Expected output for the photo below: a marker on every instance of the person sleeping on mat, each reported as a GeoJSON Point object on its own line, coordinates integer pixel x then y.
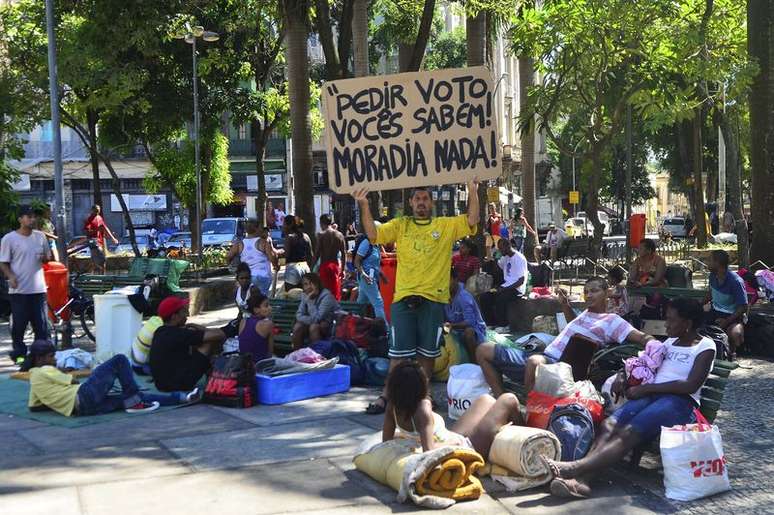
{"type": "Point", "coordinates": [52, 389]}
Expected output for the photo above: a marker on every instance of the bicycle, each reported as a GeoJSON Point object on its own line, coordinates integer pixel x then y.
{"type": "Point", "coordinates": [80, 306]}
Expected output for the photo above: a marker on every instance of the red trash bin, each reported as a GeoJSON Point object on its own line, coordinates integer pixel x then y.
{"type": "Point", "coordinates": [389, 268]}
{"type": "Point", "coordinates": [636, 230]}
{"type": "Point", "coordinates": [58, 284]}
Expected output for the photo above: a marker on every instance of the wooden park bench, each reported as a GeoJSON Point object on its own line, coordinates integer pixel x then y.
{"type": "Point", "coordinates": [283, 314]}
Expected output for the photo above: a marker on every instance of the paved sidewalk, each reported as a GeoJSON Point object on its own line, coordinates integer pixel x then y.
{"type": "Point", "coordinates": [296, 458]}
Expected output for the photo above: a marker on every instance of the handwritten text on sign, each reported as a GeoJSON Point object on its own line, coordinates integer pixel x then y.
{"type": "Point", "coordinates": [411, 129]}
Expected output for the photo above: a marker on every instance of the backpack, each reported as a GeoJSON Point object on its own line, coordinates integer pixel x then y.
{"type": "Point", "coordinates": [719, 336]}
{"type": "Point", "coordinates": [358, 240]}
{"type": "Point", "coordinates": [759, 334]}
{"type": "Point", "coordinates": [366, 333]}
{"type": "Point", "coordinates": [232, 381]}
{"type": "Point", "coordinates": [348, 354]}
{"type": "Point", "coordinates": [573, 426]}
{"type": "Point", "coordinates": [376, 371]}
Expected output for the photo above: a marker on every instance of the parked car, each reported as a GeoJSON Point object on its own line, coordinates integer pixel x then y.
{"type": "Point", "coordinates": [603, 217]}
{"type": "Point", "coordinates": [578, 227]}
{"type": "Point", "coordinates": [178, 240]}
{"type": "Point", "coordinates": [125, 244]}
{"type": "Point", "coordinates": [222, 231]}
{"type": "Point", "coordinates": [674, 226]}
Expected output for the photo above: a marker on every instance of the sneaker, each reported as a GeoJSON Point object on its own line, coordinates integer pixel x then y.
{"type": "Point", "coordinates": [143, 407]}
{"type": "Point", "coordinates": [194, 395]}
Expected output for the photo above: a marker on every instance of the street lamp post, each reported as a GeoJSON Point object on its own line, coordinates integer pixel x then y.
{"type": "Point", "coordinates": [190, 36]}
{"type": "Point", "coordinates": [574, 152]}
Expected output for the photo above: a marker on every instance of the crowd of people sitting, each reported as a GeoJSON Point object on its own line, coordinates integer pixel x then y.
{"type": "Point", "coordinates": [431, 296]}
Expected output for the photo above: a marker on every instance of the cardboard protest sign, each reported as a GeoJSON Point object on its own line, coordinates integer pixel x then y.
{"type": "Point", "coordinates": [411, 129]}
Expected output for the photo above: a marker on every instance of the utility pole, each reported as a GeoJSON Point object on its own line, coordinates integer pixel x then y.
{"type": "Point", "coordinates": [61, 216]}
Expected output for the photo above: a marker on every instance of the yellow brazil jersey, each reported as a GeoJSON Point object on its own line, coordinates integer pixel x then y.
{"type": "Point", "coordinates": [54, 389]}
{"type": "Point", "coordinates": [424, 249]}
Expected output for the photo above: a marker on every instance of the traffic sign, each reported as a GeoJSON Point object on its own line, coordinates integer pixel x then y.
{"type": "Point", "coordinates": [574, 197]}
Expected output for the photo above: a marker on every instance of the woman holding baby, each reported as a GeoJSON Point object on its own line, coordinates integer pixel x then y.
{"type": "Point", "coordinates": [665, 397]}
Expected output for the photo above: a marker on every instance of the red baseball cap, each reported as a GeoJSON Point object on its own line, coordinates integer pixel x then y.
{"type": "Point", "coordinates": [170, 306]}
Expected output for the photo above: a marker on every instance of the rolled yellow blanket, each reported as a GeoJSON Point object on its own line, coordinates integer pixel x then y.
{"type": "Point", "coordinates": [433, 479]}
{"type": "Point", "coordinates": [517, 450]}
{"type": "Point", "coordinates": [453, 476]}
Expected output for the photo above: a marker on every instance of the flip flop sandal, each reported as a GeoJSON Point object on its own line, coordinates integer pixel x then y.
{"type": "Point", "coordinates": [551, 467]}
{"type": "Point", "coordinates": [375, 408]}
{"type": "Point", "coordinates": [567, 488]}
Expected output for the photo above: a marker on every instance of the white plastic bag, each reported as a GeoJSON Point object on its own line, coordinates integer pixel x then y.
{"type": "Point", "coordinates": [555, 380]}
{"type": "Point", "coordinates": [694, 463]}
{"type": "Point", "coordinates": [466, 384]}
{"type": "Point", "coordinates": [611, 404]}
{"type": "Point", "coordinates": [231, 345]}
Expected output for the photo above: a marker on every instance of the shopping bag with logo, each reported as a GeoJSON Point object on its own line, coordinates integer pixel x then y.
{"type": "Point", "coordinates": [466, 384]}
{"type": "Point", "coordinates": [694, 463]}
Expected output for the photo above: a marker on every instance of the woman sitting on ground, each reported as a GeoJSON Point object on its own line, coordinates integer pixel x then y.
{"type": "Point", "coordinates": [314, 318]}
{"type": "Point", "coordinates": [594, 326]}
{"type": "Point", "coordinates": [256, 331]}
{"type": "Point", "coordinates": [669, 400]}
{"type": "Point", "coordinates": [466, 263]}
{"type": "Point", "coordinates": [411, 414]}
{"type": "Point", "coordinates": [52, 389]}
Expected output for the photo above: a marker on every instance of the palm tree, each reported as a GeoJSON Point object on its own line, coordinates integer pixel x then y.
{"type": "Point", "coordinates": [360, 36]}
{"type": "Point", "coordinates": [475, 38]}
{"type": "Point", "coordinates": [296, 14]}
{"type": "Point", "coordinates": [760, 40]}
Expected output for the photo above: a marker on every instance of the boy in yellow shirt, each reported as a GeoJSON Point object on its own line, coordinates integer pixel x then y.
{"type": "Point", "coordinates": [53, 389]}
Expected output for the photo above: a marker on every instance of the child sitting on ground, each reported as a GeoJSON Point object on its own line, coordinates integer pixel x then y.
{"type": "Point", "coordinates": [409, 406]}
{"type": "Point", "coordinates": [618, 300]}
{"type": "Point", "coordinates": [256, 332]}
{"type": "Point", "coordinates": [52, 389]}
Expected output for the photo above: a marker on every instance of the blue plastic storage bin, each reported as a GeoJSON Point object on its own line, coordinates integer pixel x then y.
{"type": "Point", "coordinates": [302, 385]}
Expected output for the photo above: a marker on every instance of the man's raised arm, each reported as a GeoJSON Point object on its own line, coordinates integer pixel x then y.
{"type": "Point", "coordinates": [361, 197]}
{"type": "Point", "coordinates": [473, 214]}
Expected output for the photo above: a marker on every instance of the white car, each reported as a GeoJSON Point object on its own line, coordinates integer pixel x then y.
{"type": "Point", "coordinates": [578, 227]}
{"type": "Point", "coordinates": [675, 226]}
{"type": "Point", "coordinates": [603, 217]}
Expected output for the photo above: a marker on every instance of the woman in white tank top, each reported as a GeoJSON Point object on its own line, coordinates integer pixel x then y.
{"type": "Point", "coordinates": [257, 252]}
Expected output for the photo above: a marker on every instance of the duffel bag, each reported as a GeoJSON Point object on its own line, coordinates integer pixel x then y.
{"type": "Point", "coordinates": [231, 382]}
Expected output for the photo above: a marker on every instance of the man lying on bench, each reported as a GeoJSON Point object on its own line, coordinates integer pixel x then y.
{"type": "Point", "coordinates": [595, 327]}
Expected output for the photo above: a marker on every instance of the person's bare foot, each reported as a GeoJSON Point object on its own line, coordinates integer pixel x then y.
{"type": "Point", "coordinates": [559, 469]}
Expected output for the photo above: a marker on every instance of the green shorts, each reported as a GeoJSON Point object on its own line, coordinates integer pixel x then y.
{"type": "Point", "coordinates": [416, 330]}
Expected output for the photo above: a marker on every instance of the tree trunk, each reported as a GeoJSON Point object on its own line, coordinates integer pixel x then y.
{"type": "Point", "coordinates": [475, 41]}
{"type": "Point", "coordinates": [592, 200]}
{"type": "Point", "coordinates": [423, 35]}
{"type": "Point", "coordinates": [124, 209]}
{"type": "Point", "coordinates": [333, 66]}
{"type": "Point", "coordinates": [527, 81]}
{"type": "Point", "coordinates": [297, 23]}
{"type": "Point", "coordinates": [91, 122]}
{"type": "Point", "coordinates": [734, 187]}
{"type": "Point", "coordinates": [760, 41]}
{"type": "Point", "coordinates": [360, 37]}
{"type": "Point", "coordinates": [698, 190]}
{"type": "Point", "coordinates": [260, 137]}
{"type": "Point", "coordinates": [360, 49]}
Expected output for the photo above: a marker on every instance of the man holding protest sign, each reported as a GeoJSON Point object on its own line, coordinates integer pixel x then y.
{"type": "Point", "coordinates": [424, 248]}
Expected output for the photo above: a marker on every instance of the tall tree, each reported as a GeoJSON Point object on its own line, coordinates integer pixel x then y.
{"type": "Point", "coordinates": [760, 30]}
{"type": "Point", "coordinates": [475, 38]}
{"type": "Point", "coordinates": [296, 13]}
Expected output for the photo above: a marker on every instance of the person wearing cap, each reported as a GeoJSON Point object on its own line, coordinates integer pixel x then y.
{"type": "Point", "coordinates": [22, 254]}
{"type": "Point", "coordinates": [180, 353]}
{"type": "Point", "coordinates": [554, 239]}
{"type": "Point", "coordinates": [53, 389]}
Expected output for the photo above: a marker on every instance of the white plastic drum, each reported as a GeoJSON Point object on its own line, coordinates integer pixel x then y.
{"type": "Point", "coordinates": [117, 324]}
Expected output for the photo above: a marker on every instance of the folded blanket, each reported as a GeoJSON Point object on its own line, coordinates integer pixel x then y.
{"type": "Point", "coordinates": [281, 366]}
{"type": "Point", "coordinates": [435, 479]}
{"type": "Point", "coordinates": [515, 456]}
